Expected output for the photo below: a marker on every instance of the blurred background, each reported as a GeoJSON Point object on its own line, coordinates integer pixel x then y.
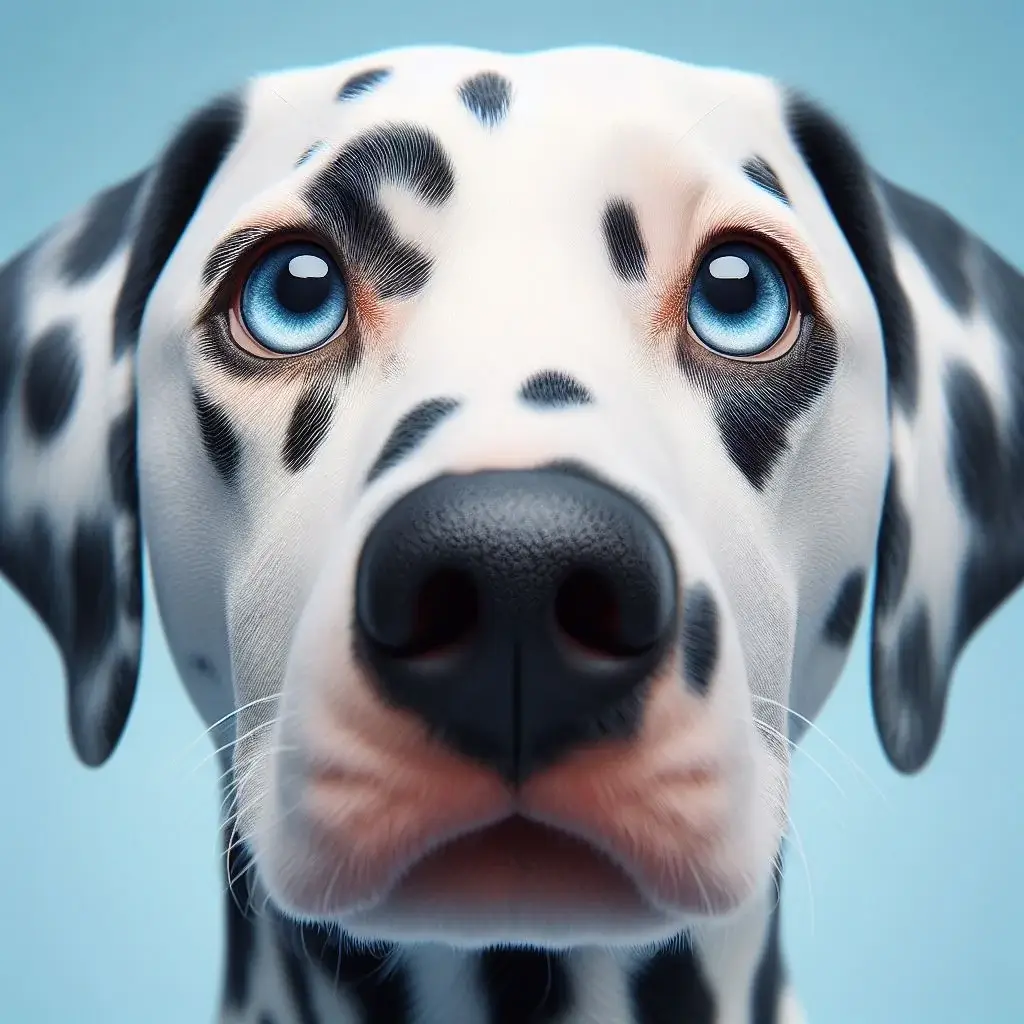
{"type": "Point", "coordinates": [903, 903]}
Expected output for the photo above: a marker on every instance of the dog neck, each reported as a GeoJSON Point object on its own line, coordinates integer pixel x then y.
{"type": "Point", "coordinates": [278, 972]}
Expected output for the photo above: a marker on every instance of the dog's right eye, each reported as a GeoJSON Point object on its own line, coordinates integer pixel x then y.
{"type": "Point", "coordinates": [294, 300]}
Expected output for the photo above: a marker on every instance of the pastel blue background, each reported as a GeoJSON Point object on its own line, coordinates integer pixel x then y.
{"type": "Point", "coordinates": [110, 907]}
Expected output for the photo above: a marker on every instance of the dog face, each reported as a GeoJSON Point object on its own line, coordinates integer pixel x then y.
{"type": "Point", "coordinates": [511, 435]}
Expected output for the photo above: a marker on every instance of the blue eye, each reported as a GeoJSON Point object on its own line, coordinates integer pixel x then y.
{"type": "Point", "coordinates": [739, 303]}
{"type": "Point", "coordinates": [294, 300]}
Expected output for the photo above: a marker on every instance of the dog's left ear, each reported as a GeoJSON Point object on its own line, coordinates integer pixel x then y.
{"type": "Point", "coordinates": [70, 309]}
{"type": "Point", "coordinates": [951, 540]}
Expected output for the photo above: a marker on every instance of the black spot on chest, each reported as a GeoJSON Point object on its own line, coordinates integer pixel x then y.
{"type": "Point", "coordinates": [668, 988]}
{"type": "Point", "coordinates": [487, 97]}
{"type": "Point", "coordinates": [102, 232]}
{"type": "Point", "coordinates": [524, 986]}
{"type": "Point", "coordinates": [53, 374]}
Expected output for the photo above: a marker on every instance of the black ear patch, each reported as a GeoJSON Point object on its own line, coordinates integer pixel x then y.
{"type": "Point", "coordinates": [848, 187]}
{"type": "Point", "coordinates": [103, 231]}
{"type": "Point", "coordinates": [53, 374]}
{"type": "Point", "coordinates": [841, 623]}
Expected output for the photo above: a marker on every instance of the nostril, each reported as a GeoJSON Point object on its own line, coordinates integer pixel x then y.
{"type": "Point", "coordinates": [447, 610]}
{"type": "Point", "coordinates": [589, 615]}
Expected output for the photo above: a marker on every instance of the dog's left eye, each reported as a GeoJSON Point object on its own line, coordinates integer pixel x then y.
{"type": "Point", "coordinates": [294, 299]}
{"type": "Point", "coordinates": [739, 303]}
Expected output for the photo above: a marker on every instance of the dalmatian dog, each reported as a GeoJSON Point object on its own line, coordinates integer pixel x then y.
{"type": "Point", "coordinates": [513, 438]}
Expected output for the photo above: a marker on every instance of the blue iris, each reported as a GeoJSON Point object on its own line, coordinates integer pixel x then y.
{"type": "Point", "coordinates": [294, 299]}
{"type": "Point", "coordinates": [739, 303]}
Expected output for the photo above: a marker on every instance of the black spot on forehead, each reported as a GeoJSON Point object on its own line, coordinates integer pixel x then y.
{"type": "Point", "coordinates": [344, 202]}
{"type": "Point", "coordinates": [841, 623]}
{"type": "Point", "coordinates": [761, 173]}
{"type": "Point", "coordinates": [756, 403]}
{"type": "Point", "coordinates": [700, 637]}
{"type": "Point", "coordinates": [363, 82]}
{"type": "Point", "coordinates": [625, 242]}
{"type": "Point", "coordinates": [53, 374]}
{"type": "Point", "coordinates": [309, 425]}
{"type": "Point", "coordinates": [849, 189]}
{"type": "Point", "coordinates": [487, 96]}
{"type": "Point", "coordinates": [410, 432]}
{"type": "Point", "coordinates": [220, 439]}
{"type": "Point", "coordinates": [553, 389]}
{"type": "Point", "coordinates": [180, 181]}
{"type": "Point", "coordinates": [976, 465]}
{"type": "Point", "coordinates": [668, 987]}
{"type": "Point", "coordinates": [939, 241]}
{"type": "Point", "coordinates": [103, 230]}
{"type": "Point", "coordinates": [524, 985]}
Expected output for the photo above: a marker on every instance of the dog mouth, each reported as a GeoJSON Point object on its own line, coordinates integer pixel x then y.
{"type": "Point", "coordinates": [517, 864]}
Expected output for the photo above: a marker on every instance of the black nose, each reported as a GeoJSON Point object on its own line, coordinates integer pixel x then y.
{"type": "Point", "coordinates": [517, 612]}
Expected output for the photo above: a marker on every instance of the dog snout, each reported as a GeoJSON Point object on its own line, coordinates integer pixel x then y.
{"type": "Point", "coordinates": [518, 612]}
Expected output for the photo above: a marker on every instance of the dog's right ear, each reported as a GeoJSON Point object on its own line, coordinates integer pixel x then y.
{"type": "Point", "coordinates": [70, 309]}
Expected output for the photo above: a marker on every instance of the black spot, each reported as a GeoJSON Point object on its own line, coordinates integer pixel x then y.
{"type": "Point", "coordinates": [841, 623]}
{"type": "Point", "coordinates": [975, 458]}
{"type": "Point", "coordinates": [343, 200]}
{"type": "Point", "coordinates": [28, 559]}
{"type": "Point", "coordinates": [487, 97]}
{"type": "Point", "coordinates": [893, 556]}
{"type": "Point", "coordinates": [700, 637]}
{"type": "Point", "coordinates": [94, 594]}
{"type": "Point", "coordinates": [180, 181]}
{"type": "Point", "coordinates": [524, 986]}
{"type": "Point", "coordinates": [410, 432]}
{"type": "Point", "coordinates": [760, 172]}
{"type": "Point", "coordinates": [121, 460]}
{"type": "Point", "coordinates": [12, 283]}
{"type": "Point", "coordinates": [907, 694]}
{"type": "Point", "coordinates": [219, 437]}
{"type": "Point", "coordinates": [624, 240]}
{"type": "Point", "coordinates": [363, 82]}
{"type": "Point", "coordinates": [309, 151]}
{"type": "Point", "coordinates": [241, 932]}
{"type": "Point", "coordinates": [266, 1018]}
{"type": "Point", "coordinates": [755, 403]}
{"type": "Point", "coordinates": [53, 374]}
{"type": "Point", "coordinates": [552, 389]}
{"type": "Point", "coordinates": [847, 184]}
{"type": "Point", "coordinates": [105, 227]}
{"type": "Point", "coordinates": [771, 973]}
{"type": "Point", "coordinates": [131, 585]}
{"type": "Point", "coordinates": [940, 242]}
{"type": "Point", "coordinates": [310, 424]}
{"type": "Point", "coordinates": [300, 986]}
{"type": "Point", "coordinates": [202, 664]}
{"type": "Point", "coordinates": [668, 988]}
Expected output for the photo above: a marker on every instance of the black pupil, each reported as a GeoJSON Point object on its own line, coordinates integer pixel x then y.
{"type": "Point", "coordinates": [303, 284]}
{"type": "Point", "coordinates": [728, 284]}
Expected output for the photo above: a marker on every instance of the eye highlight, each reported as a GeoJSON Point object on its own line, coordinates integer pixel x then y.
{"type": "Point", "coordinates": [740, 304]}
{"type": "Point", "coordinates": [293, 300]}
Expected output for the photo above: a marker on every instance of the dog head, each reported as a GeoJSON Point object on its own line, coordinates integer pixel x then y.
{"type": "Point", "coordinates": [513, 438]}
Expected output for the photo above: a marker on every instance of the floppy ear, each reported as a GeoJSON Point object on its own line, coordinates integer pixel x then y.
{"type": "Point", "coordinates": [70, 309]}
{"type": "Point", "coordinates": [951, 539]}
